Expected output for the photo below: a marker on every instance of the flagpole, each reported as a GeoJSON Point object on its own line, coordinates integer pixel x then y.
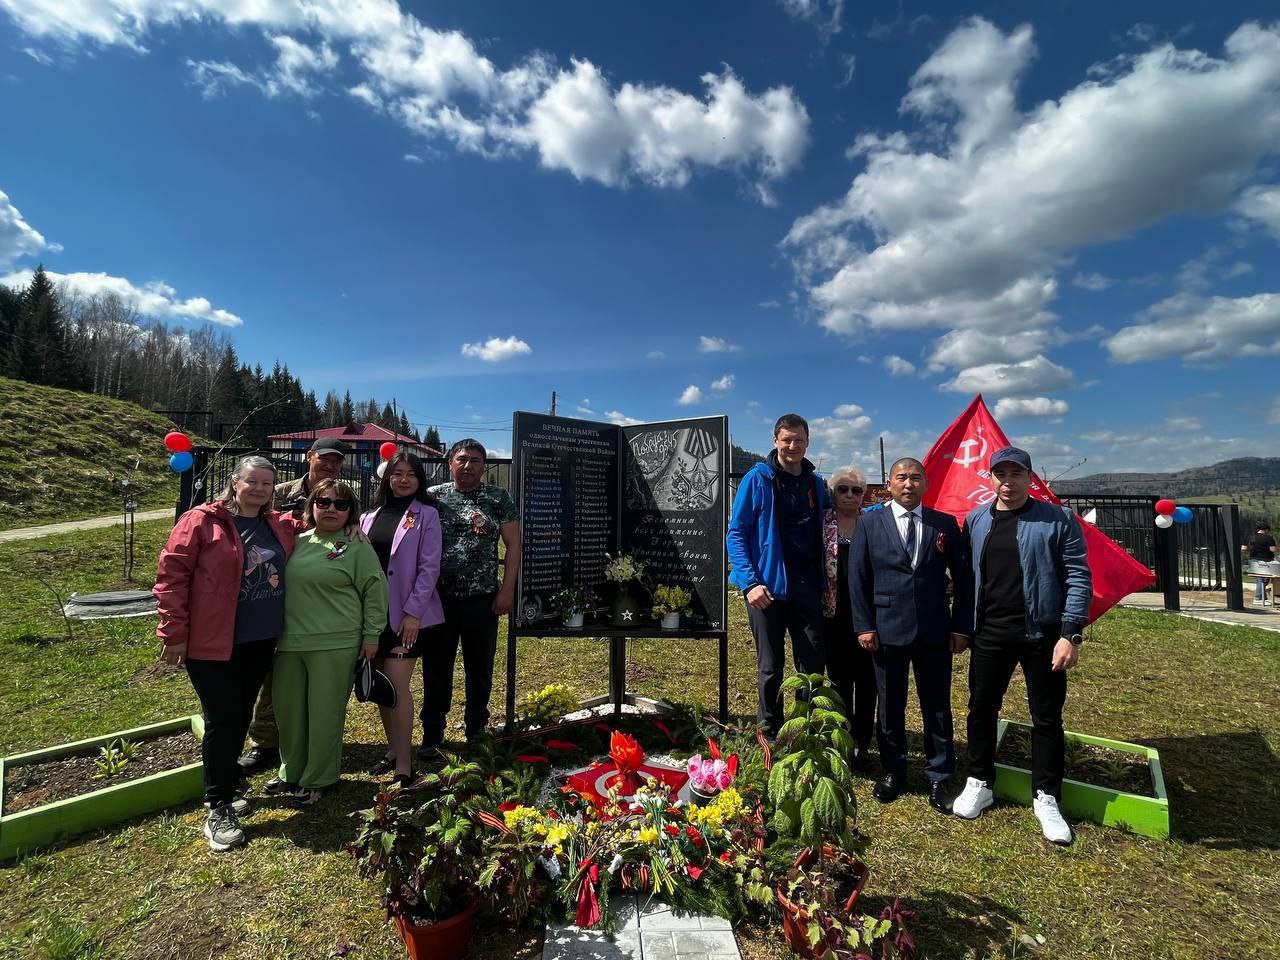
{"type": "Point", "coordinates": [884, 474]}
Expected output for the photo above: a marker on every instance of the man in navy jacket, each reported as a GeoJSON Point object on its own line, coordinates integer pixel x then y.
{"type": "Point", "coordinates": [898, 573]}
{"type": "Point", "coordinates": [774, 544]}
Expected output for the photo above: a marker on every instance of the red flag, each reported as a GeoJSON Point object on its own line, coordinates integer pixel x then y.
{"type": "Point", "coordinates": [956, 468]}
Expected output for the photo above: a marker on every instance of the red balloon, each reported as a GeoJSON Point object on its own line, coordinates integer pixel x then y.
{"type": "Point", "coordinates": [388, 450]}
{"type": "Point", "coordinates": [1165, 507]}
{"type": "Point", "coordinates": [176, 442]}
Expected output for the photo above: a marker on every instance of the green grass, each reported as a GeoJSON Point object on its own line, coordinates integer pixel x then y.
{"type": "Point", "coordinates": [1207, 696]}
{"type": "Point", "coordinates": [76, 450]}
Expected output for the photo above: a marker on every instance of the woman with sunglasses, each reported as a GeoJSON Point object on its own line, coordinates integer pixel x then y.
{"type": "Point", "coordinates": [335, 608]}
{"type": "Point", "coordinates": [404, 528]}
{"type": "Point", "coordinates": [849, 667]}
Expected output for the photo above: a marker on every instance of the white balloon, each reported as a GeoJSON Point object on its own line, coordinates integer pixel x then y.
{"type": "Point", "coordinates": [1164, 522]}
{"type": "Point", "coordinates": [382, 471]}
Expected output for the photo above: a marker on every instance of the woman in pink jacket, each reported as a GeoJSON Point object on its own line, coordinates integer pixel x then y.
{"type": "Point", "coordinates": [220, 592]}
{"type": "Point", "coordinates": [404, 529]}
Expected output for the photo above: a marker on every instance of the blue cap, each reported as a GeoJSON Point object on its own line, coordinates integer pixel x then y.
{"type": "Point", "coordinates": [1011, 455]}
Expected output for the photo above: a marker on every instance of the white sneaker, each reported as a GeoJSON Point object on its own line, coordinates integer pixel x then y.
{"type": "Point", "coordinates": [239, 806]}
{"type": "Point", "coordinates": [974, 798]}
{"type": "Point", "coordinates": [1055, 829]}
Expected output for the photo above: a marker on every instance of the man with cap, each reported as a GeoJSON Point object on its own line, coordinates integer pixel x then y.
{"type": "Point", "coordinates": [1032, 590]}
{"type": "Point", "coordinates": [324, 462]}
{"type": "Point", "coordinates": [900, 563]}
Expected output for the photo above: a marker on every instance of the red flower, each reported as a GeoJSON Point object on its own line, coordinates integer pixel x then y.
{"type": "Point", "coordinates": [693, 834]}
{"type": "Point", "coordinates": [664, 728]}
{"type": "Point", "coordinates": [694, 871]}
{"type": "Point", "coordinates": [713, 748]}
{"type": "Point", "coordinates": [726, 857]}
{"type": "Point", "coordinates": [626, 752]}
{"type": "Point", "coordinates": [672, 830]}
{"type": "Point", "coordinates": [509, 805]}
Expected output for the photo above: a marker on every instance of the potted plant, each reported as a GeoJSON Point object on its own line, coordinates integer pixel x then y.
{"type": "Point", "coordinates": [425, 845]}
{"type": "Point", "coordinates": [573, 603]}
{"type": "Point", "coordinates": [811, 800]}
{"type": "Point", "coordinates": [709, 776]}
{"type": "Point", "coordinates": [669, 602]}
{"type": "Point", "coordinates": [624, 570]}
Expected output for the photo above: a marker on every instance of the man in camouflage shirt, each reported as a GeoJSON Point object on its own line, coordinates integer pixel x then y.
{"type": "Point", "coordinates": [473, 517]}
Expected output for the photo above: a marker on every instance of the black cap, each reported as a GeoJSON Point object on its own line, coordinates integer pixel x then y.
{"type": "Point", "coordinates": [1011, 455]}
{"type": "Point", "coordinates": [326, 445]}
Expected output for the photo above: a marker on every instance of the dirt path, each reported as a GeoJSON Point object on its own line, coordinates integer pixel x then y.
{"type": "Point", "coordinates": [49, 529]}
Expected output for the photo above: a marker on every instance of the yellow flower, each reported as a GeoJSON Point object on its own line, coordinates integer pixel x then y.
{"type": "Point", "coordinates": [522, 816]}
{"type": "Point", "coordinates": [649, 835]}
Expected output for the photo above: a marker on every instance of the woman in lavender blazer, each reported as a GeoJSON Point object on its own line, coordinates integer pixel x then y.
{"type": "Point", "coordinates": [404, 528]}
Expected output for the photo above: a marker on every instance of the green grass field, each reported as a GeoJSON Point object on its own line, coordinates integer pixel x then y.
{"type": "Point", "coordinates": [1207, 696]}
{"type": "Point", "coordinates": [76, 450]}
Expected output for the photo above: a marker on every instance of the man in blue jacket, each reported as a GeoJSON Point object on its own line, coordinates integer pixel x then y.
{"type": "Point", "coordinates": [775, 551]}
{"type": "Point", "coordinates": [899, 564]}
{"type": "Point", "coordinates": [1032, 591]}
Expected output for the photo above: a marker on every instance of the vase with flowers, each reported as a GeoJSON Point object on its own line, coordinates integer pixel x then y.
{"type": "Point", "coordinates": [669, 602]}
{"type": "Point", "coordinates": [711, 774]}
{"type": "Point", "coordinates": [624, 571]}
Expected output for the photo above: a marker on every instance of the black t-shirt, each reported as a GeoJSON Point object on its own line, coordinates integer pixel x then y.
{"type": "Point", "coordinates": [260, 606]}
{"type": "Point", "coordinates": [1260, 545]}
{"type": "Point", "coordinates": [1003, 613]}
{"type": "Point", "coordinates": [797, 506]}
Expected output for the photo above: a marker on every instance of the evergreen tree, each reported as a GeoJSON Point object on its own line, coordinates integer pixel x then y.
{"type": "Point", "coordinates": [405, 427]}
{"type": "Point", "coordinates": [10, 309]}
{"type": "Point", "coordinates": [348, 409]}
{"type": "Point", "coordinates": [39, 349]}
{"type": "Point", "coordinates": [432, 439]}
{"type": "Point", "coordinates": [387, 418]}
{"type": "Point", "coordinates": [371, 413]}
{"type": "Point", "coordinates": [331, 415]}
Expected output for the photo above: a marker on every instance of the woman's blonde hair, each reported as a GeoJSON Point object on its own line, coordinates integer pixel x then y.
{"type": "Point", "coordinates": [243, 466]}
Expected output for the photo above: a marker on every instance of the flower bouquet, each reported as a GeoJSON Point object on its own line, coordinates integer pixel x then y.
{"type": "Point", "coordinates": [669, 603]}
{"type": "Point", "coordinates": [573, 603]}
{"type": "Point", "coordinates": [709, 776]}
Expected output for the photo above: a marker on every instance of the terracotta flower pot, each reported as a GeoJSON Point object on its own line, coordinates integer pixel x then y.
{"type": "Point", "coordinates": [447, 940]}
{"type": "Point", "coordinates": [795, 918]}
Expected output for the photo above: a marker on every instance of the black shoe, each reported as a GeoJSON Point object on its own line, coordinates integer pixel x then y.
{"type": "Point", "coordinates": [888, 787]}
{"type": "Point", "coordinates": [383, 766]}
{"type": "Point", "coordinates": [275, 787]}
{"type": "Point", "coordinates": [429, 753]}
{"type": "Point", "coordinates": [940, 795]}
{"type": "Point", "coordinates": [257, 759]}
{"type": "Point", "coordinates": [402, 780]}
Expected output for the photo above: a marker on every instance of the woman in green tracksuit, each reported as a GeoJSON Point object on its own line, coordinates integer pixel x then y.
{"type": "Point", "coordinates": [335, 608]}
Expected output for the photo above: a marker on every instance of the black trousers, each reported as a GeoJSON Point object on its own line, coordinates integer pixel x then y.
{"type": "Point", "coordinates": [991, 666]}
{"type": "Point", "coordinates": [932, 667]}
{"type": "Point", "coordinates": [227, 690]}
{"type": "Point", "coordinates": [852, 672]}
{"type": "Point", "coordinates": [801, 616]}
{"type": "Point", "coordinates": [471, 622]}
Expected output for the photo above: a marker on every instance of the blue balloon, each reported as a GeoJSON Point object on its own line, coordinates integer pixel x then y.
{"type": "Point", "coordinates": [180, 462]}
{"type": "Point", "coordinates": [1182, 515]}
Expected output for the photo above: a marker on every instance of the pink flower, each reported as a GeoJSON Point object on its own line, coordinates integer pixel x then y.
{"type": "Point", "coordinates": [725, 780]}
{"type": "Point", "coordinates": [695, 764]}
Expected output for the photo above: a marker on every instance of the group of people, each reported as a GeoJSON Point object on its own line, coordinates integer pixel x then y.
{"type": "Point", "coordinates": [270, 594]}
{"type": "Point", "coordinates": [872, 597]}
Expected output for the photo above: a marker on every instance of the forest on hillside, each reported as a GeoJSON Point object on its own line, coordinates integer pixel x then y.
{"type": "Point", "coordinates": [102, 345]}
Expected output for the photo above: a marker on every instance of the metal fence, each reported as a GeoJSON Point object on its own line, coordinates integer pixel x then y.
{"type": "Point", "coordinates": [212, 469]}
{"type": "Point", "coordinates": [1129, 521]}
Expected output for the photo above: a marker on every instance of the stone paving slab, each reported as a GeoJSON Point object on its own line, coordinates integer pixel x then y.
{"type": "Point", "coordinates": [650, 932]}
{"type": "Point", "coordinates": [1210, 607]}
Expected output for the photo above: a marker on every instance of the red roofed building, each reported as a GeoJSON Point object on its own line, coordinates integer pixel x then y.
{"type": "Point", "coordinates": [364, 439]}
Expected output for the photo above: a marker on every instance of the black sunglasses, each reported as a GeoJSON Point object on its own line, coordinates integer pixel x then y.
{"type": "Point", "coordinates": [845, 488]}
{"type": "Point", "coordinates": [324, 503]}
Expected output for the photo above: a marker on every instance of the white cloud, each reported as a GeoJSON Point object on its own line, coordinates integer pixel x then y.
{"type": "Point", "coordinates": [1093, 282]}
{"type": "Point", "coordinates": [621, 419]}
{"type": "Point", "coordinates": [438, 84]}
{"type": "Point", "coordinates": [716, 345]}
{"type": "Point", "coordinates": [826, 16]}
{"type": "Point", "coordinates": [847, 410]}
{"type": "Point", "coordinates": [17, 237]}
{"type": "Point", "coordinates": [899, 367]}
{"type": "Point", "coordinates": [39, 56]}
{"type": "Point", "coordinates": [1262, 204]}
{"type": "Point", "coordinates": [724, 384]}
{"type": "Point", "coordinates": [1030, 407]}
{"type": "Point", "coordinates": [865, 358]}
{"type": "Point", "coordinates": [655, 355]}
{"type": "Point", "coordinates": [496, 349]}
{"type": "Point", "coordinates": [412, 158]}
{"type": "Point", "coordinates": [154, 299]}
{"type": "Point", "coordinates": [585, 411]}
{"type": "Point", "coordinates": [972, 347]}
{"type": "Point", "coordinates": [691, 395]}
{"type": "Point", "coordinates": [769, 304]}
{"type": "Point", "coordinates": [965, 224]}
{"type": "Point", "coordinates": [1201, 330]}
{"type": "Point", "coordinates": [1037, 375]}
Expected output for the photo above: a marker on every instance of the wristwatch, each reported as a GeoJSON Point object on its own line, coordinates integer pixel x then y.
{"type": "Point", "coordinates": [1076, 639]}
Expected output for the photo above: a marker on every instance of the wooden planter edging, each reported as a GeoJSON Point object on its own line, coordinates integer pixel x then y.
{"type": "Point", "coordinates": [40, 826]}
{"type": "Point", "coordinates": [1145, 816]}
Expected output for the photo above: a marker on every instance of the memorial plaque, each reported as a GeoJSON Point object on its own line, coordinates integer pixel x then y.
{"type": "Point", "coordinates": [590, 490]}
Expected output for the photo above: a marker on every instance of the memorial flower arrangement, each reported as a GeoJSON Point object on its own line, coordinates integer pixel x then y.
{"type": "Point", "coordinates": [574, 600]}
{"type": "Point", "coordinates": [671, 599]}
{"type": "Point", "coordinates": [547, 706]}
{"type": "Point", "coordinates": [623, 568]}
{"type": "Point", "coordinates": [707, 776]}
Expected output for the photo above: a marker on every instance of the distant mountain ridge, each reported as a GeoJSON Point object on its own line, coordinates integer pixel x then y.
{"type": "Point", "coordinates": [1227, 479]}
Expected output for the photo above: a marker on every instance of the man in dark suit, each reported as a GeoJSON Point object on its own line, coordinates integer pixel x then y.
{"type": "Point", "coordinates": [898, 567]}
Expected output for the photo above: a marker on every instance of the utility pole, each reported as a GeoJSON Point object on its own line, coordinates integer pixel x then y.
{"type": "Point", "coordinates": [884, 474]}
{"type": "Point", "coordinates": [553, 403]}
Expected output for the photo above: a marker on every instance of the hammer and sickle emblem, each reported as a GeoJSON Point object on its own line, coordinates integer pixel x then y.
{"type": "Point", "coordinates": [965, 457]}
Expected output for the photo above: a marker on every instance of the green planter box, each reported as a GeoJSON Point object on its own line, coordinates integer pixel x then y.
{"type": "Point", "coordinates": [1145, 816]}
{"type": "Point", "coordinates": [41, 826]}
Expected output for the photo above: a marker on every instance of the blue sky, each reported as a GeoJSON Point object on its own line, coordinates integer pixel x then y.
{"type": "Point", "coordinates": [662, 210]}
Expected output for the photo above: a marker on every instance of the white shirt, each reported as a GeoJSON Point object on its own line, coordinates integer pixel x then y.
{"type": "Point", "coordinates": [900, 514]}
